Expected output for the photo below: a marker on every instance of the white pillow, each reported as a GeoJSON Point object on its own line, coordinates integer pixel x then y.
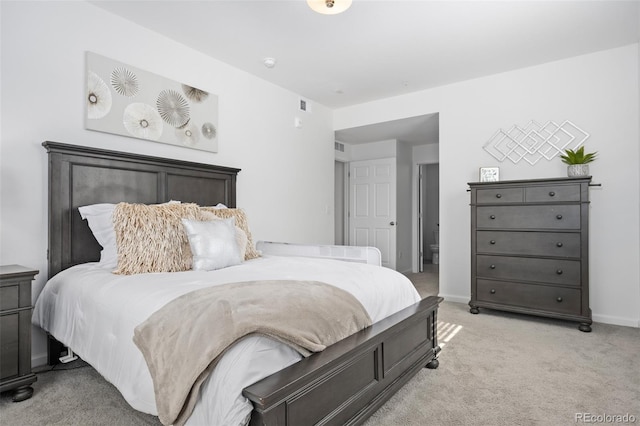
{"type": "Point", "coordinates": [100, 220]}
{"type": "Point", "coordinates": [213, 243]}
{"type": "Point", "coordinates": [241, 236]}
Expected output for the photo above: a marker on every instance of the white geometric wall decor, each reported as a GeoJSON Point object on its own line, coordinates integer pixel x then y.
{"type": "Point", "coordinates": [535, 141]}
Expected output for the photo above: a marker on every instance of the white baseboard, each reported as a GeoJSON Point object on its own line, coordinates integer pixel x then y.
{"type": "Point", "coordinates": [604, 319]}
{"type": "Point", "coordinates": [38, 360]}
{"type": "Point", "coordinates": [453, 298]}
{"type": "Point", "coordinates": [608, 319]}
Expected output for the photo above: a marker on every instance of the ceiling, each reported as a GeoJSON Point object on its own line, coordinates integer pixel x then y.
{"type": "Point", "coordinates": [378, 49]}
{"type": "Point", "coordinates": [420, 130]}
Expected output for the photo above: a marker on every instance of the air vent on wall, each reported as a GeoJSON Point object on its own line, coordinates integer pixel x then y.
{"type": "Point", "coordinates": [339, 146]}
{"type": "Point", "coordinates": [304, 105]}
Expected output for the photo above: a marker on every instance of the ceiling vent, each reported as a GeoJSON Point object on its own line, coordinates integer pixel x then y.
{"type": "Point", "coordinates": [339, 146]}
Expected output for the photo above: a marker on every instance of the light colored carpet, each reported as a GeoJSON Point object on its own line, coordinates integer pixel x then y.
{"type": "Point", "coordinates": [495, 369]}
{"type": "Point", "coordinates": [426, 282]}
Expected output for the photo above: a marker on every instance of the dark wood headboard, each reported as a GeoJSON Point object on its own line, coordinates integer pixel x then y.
{"type": "Point", "coordinates": [80, 176]}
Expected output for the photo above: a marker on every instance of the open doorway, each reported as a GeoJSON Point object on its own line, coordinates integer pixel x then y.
{"type": "Point", "coordinates": [412, 141]}
{"type": "Point", "coordinates": [429, 226]}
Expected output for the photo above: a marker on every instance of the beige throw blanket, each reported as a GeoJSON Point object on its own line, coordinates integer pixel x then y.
{"type": "Point", "coordinates": [182, 341]}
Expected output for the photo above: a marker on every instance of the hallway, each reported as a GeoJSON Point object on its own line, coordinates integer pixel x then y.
{"type": "Point", "coordinates": [426, 282]}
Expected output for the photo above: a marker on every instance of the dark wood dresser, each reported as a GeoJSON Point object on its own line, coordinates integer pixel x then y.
{"type": "Point", "coordinates": [530, 247]}
{"type": "Point", "coordinates": [15, 331]}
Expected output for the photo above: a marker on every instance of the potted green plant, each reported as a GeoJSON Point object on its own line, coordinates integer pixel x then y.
{"type": "Point", "coordinates": [578, 161]}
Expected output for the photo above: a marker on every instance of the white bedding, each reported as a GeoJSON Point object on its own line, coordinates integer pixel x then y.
{"type": "Point", "coordinates": [94, 312]}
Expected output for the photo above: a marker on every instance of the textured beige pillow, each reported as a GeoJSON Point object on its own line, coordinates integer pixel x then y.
{"type": "Point", "coordinates": [151, 238]}
{"type": "Point", "coordinates": [241, 222]}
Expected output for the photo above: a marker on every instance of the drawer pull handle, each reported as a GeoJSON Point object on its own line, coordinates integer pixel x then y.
{"type": "Point", "coordinates": [492, 266]}
{"type": "Point", "coordinates": [492, 242]}
{"type": "Point", "coordinates": [493, 216]}
{"type": "Point", "coordinates": [552, 194]}
{"type": "Point", "coordinates": [498, 195]}
{"type": "Point", "coordinates": [493, 291]}
{"type": "Point", "coordinates": [559, 216]}
{"type": "Point", "coordinates": [559, 272]}
{"type": "Point", "coordinates": [559, 244]}
{"type": "Point", "coordinates": [559, 299]}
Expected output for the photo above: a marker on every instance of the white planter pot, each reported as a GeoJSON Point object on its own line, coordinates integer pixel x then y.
{"type": "Point", "coordinates": [574, 170]}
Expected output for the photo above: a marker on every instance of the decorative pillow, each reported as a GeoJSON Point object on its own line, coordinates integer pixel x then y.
{"type": "Point", "coordinates": [100, 220]}
{"type": "Point", "coordinates": [241, 236]}
{"type": "Point", "coordinates": [241, 221]}
{"type": "Point", "coordinates": [151, 238]}
{"type": "Point", "coordinates": [213, 243]}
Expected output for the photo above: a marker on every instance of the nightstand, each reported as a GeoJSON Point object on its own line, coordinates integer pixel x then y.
{"type": "Point", "coordinates": [15, 331]}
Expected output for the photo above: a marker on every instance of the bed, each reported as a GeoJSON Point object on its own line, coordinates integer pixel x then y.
{"type": "Point", "coordinates": [343, 384]}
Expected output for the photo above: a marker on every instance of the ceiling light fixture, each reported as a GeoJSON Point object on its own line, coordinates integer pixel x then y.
{"type": "Point", "coordinates": [329, 7]}
{"type": "Point", "coordinates": [269, 62]}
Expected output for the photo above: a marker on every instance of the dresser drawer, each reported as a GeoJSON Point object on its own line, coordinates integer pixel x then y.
{"type": "Point", "coordinates": [499, 195]}
{"type": "Point", "coordinates": [552, 193]}
{"type": "Point", "coordinates": [554, 271]}
{"type": "Point", "coordinates": [9, 297]}
{"type": "Point", "coordinates": [560, 244]}
{"type": "Point", "coordinates": [9, 350]}
{"type": "Point", "coordinates": [529, 217]}
{"type": "Point", "coordinates": [546, 298]}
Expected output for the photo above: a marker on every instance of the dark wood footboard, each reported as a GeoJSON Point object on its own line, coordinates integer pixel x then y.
{"type": "Point", "coordinates": [348, 381]}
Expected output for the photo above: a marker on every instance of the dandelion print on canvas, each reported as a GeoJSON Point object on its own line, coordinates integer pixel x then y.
{"type": "Point", "coordinates": [125, 100]}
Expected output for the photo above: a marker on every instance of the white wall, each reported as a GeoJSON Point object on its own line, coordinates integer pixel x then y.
{"type": "Point", "coordinates": [340, 189]}
{"type": "Point", "coordinates": [598, 92]}
{"type": "Point", "coordinates": [426, 154]}
{"type": "Point", "coordinates": [286, 182]}
{"type": "Point", "coordinates": [404, 208]}
{"type": "Point", "coordinates": [372, 150]}
{"type": "Point", "coordinates": [638, 88]}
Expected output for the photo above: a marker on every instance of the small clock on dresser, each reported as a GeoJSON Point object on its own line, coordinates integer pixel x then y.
{"type": "Point", "coordinates": [15, 331]}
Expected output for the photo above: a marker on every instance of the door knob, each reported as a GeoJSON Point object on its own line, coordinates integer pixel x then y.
{"type": "Point", "coordinates": [392, 223]}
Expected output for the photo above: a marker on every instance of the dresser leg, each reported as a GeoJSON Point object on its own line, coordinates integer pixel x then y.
{"type": "Point", "coordinates": [586, 327]}
{"type": "Point", "coordinates": [474, 310]}
{"type": "Point", "coordinates": [22, 393]}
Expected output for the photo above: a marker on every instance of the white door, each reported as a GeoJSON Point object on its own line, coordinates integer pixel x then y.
{"type": "Point", "coordinates": [372, 207]}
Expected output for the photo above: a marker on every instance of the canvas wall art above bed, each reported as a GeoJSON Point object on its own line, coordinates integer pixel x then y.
{"type": "Point", "coordinates": [145, 267]}
{"type": "Point", "coordinates": [128, 101]}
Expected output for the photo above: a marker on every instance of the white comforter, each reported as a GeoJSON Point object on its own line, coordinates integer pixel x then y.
{"type": "Point", "coordinates": [94, 312]}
